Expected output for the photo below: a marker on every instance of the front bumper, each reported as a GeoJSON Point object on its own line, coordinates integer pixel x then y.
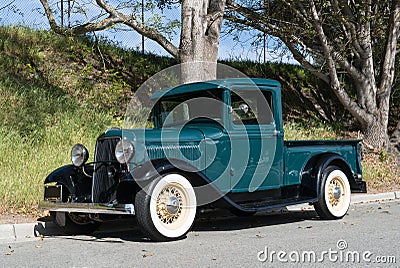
{"type": "Point", "coordinates": [53, 202]}
{"type": "Point", "coordinates": [90, 208]}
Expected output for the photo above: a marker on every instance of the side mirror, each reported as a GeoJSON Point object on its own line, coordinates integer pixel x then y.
{"type": "Point", "coordinates": [244, 108]}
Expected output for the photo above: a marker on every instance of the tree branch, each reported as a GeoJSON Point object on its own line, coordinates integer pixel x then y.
{"type": "Point", "coordinates": [390, 50]}
{"type": "Point", "coordinates": [9, 4]}
{"type": "Point", "coordinates": [304, 62]}
{"type": "Point", "coordinates": [114, 18]}
{"type": "Point", "coordinates": [342, 95]}
{"type": "Point", "coordinates": [302, 15]}
{"type": "Point", "coordinates": [351, 33]}
{"type": "Point", "coordinates": [253, 17]}
{"type": "Point", "coordinates": [350, 69]}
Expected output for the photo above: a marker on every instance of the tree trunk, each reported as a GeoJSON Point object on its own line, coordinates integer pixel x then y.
{"type": "Point", "coordinates": [198, 50]}
{"type": "Point", "coordinates": [375, 133]}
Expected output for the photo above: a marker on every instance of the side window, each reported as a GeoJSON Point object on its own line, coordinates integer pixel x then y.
{"type": "Point", "coordinates": [173, 111]}
{"type": "Point", "coordinates": [179, 109]}
{"type": "Point", "coordinates": [252, 107]}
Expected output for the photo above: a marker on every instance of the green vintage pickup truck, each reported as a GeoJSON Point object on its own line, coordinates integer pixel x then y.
{"type": "Point", "coordinates": [215, 144]}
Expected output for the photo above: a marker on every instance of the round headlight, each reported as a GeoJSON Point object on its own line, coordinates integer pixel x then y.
{"type": "Point", "coordinates": [79, 155]}
{"type": "Point", "coordinates": [124, 151]}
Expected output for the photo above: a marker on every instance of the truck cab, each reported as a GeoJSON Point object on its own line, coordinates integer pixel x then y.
{"type": "Point", "coordinates": [208, 144]}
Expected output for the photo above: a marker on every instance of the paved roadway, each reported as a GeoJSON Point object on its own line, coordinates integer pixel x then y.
{"type": "Point", "coordinates": [368, 236]}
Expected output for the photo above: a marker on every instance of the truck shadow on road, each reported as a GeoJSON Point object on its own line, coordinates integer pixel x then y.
{"type": "Point", "coordinates": [127, 230]}
{"type": "Point", "coordinates": [232, 223]}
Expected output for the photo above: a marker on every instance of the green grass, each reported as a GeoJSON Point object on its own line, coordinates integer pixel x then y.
{"type": "Point", "coordinates": [99, 74]}
{"type": "Point", "coordinates": [39, 128]}
{"type": "Point", "coordinates": [311, 129]}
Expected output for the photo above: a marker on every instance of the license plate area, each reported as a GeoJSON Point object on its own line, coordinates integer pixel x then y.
{"type": "Point", "coordinates": [53, 193]}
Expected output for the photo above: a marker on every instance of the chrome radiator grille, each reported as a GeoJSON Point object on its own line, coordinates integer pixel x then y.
{"type": "Point", "coordinates": [105, 162]}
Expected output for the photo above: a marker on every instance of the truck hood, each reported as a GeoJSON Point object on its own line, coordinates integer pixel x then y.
{"type": "Point", "coordinates": [188, 133]}
{"type": "Point", "coordinates": [150, 143]}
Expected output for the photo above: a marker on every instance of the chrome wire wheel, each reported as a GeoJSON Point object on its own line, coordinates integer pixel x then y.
{"type": "Point", "coordinates": [336, 193]}
{"type": "Point", "coordinates": [170, 205]}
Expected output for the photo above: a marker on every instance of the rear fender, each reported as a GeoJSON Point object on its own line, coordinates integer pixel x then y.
{"type": "Point", "coordinates": [312, 173]}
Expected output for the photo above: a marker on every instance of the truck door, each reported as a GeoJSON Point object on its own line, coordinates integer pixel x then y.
{"type": "Point", "coordinates": [256, 161]}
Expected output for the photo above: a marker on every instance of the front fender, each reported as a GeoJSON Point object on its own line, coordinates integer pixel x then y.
{"type": "Point", "coordinates": [63, 175]}
{"type": "Point", "coordinates": [142, 175]}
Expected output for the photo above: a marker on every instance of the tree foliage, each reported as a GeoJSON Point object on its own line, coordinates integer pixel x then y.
{"type": "Point", "coordinates": [337, 40]}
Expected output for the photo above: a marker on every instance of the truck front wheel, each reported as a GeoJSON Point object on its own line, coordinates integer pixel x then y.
{"type": "Point", "coordinates": [334, 197]}
{"type": "Point", "coordinates": [166, 208]}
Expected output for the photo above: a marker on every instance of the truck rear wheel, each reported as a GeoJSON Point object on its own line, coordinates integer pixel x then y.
{"type": "Point", "coordinates": [166, 208]}
{"type": "Point", "coordinates": [334, 197]}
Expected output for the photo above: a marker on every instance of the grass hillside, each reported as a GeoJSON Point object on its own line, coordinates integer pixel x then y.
{"type": "Point", "coordinates": [57, 91]}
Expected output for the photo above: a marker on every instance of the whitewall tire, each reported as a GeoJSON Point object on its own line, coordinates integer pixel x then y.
{"type": "Point", "coordinates": [335, 194]}
{"type": "Point", "coordinates": [166, 209]}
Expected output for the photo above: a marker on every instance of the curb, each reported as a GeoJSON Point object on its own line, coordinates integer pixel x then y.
{"type": "Point", "coordinates": [25, 231]}
{"type": "Point", "coordinates": [362, 198]}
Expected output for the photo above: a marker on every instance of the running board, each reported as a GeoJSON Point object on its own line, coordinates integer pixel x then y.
{"type": "Point", "coordinates": [270, 206]}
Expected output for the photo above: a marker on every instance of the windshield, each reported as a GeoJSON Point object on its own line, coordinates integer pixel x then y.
{"type": "Point", "coordinates": [180, 109]}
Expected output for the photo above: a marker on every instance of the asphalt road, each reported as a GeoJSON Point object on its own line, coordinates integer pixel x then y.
{"type": "Point", "coordinates": [368, 236]}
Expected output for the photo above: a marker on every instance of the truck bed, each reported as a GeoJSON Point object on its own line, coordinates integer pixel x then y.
{"type": "Point", "coordinates": [298, 153]}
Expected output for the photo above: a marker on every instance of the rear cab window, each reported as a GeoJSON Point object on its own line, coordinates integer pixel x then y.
{"type": "Point", "coordinates": [259, 104]}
